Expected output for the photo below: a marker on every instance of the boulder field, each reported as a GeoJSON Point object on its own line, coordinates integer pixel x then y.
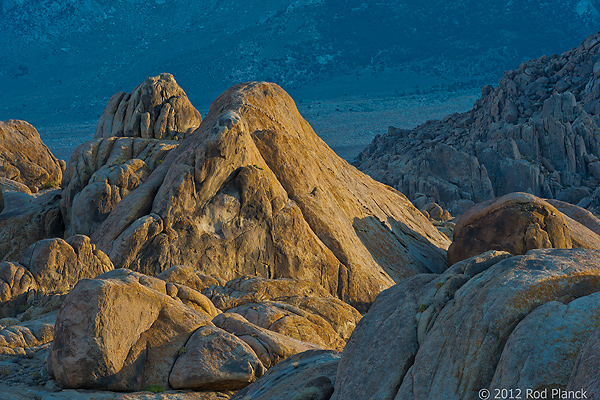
{"type": "Point", "coordinates": [237, 257]}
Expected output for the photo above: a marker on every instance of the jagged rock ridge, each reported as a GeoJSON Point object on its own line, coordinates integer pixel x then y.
{"type": "Point", "coordinates": [538, 131]}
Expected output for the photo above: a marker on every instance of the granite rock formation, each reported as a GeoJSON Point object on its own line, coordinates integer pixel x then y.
{"type": "Point", "coordinates": [156, 109]}
{"type": "Point", "coordinates": [306, 376]}
{"type": "Point", "coordinates": [47, 267]}
{"type": "Point", "coordinates": [270, 347]}
{"type": "Point", "coordinates": [101, 173]}
{"type": "Point", "coordinates": [26, 219]}
{"type": "Point", "coordinates": [417, 340]}
{"type": "Point", "coordinates": [121, 331]}
{"type": "Point", "coordinates": [519, 222]}
{"type": "Point", "coordinates": [254, 191]}
{"type": "Point", "coordinates": [299, 309]}
{"type": "Point", "coordinates": [538, 131]}
{"type": "Point", "coordinates": [127, 331]}
{"type": "Point", "coordinates": [24, 158]}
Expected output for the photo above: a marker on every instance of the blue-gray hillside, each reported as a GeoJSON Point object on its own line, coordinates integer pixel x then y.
{"type": "Point", "coordinates": [63, 59]}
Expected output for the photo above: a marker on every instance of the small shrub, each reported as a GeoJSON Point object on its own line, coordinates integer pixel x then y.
{"type": "Point", "coordinates": [50, 185]}
{"type": "Point", "coordinates": [182, 350]}
{"type": "Point", "coordinates": [439, 284]}
{"type": "Point", "coordinates": [154, 389]}
{"type": "Point", "coordinates": [422, 308]}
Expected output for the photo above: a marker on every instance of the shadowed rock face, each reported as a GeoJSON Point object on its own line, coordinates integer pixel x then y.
{"type": "Point", "coordinates": [25, 224]}
{"type": "Point", "coordinates": [25, 159]}
{"type": "Point", "coordinates": [484, 322]}
{"type": "Point", "coordinates": [308, 375]}
{"type": "Point", "coordinates": [156, 109]}
{"type": "Point", "coordinates": [254, 191]}
{"type": "Point", "coordinates": [536, 132]}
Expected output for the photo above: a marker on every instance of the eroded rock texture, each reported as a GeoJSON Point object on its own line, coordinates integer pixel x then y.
{"type": "Point", "coordinates": [156, 109]}
{"type": "Point", "coordinates": [47, 267]}
{"type": "Point", "coordinates": [101, 173]}
{"type": "Point", "coordinates": [538, 131]}
{"type": "Point", "coordinates": [254, 191]}
{"type": "Point", "coordinates": [24, 158]}
{"type": "Point", "coordinates": [484, 322]}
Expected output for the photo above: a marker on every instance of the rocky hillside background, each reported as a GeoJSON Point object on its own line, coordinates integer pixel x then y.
{"type": "Point", "coordinates": [537, 131]}
{"type": "Point", "coordinates": [63, 59]}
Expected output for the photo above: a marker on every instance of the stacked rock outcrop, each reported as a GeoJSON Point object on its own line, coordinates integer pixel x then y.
{"type": "Point", "coordinates": [538, 131]}
{"type": "Point", "coordinates": [254, 191]}
{"type": "Point", "coordinates": [47, 267]}
{"type": "Point", "coordinates": [156, 109]}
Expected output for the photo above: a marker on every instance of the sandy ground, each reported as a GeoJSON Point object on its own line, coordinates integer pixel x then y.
{"type": "Point", "coordinates": [347, 124]}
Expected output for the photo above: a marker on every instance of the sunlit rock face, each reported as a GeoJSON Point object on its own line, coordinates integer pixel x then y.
{"type": "Point", "coordinates": [134, 134]}
{"type": "Point", "coordinates": [156, 109]}
{"type": "Point", "coordinates": [24, 158]}
{"type": "Point", "coordinates": [536, 132]}
{"type": "Point", "coordinates": [254, 191]}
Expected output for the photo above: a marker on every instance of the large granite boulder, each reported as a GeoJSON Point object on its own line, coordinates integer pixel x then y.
{"type": "Point", "coordinates": [215, 360]}
{"type": "Point", "coordinates": [121, 331]}
{"type": "Point", "coordinates": [57, 264]}
{"type": "Point", "coordinates": [538, 131]}
{"type": "Point", "coordinates": [516, 223]}
{"type": "Point", "coordinates": [519, 222]}
{"type": "Point", "coordinates": [254, 191]}
{"type": "Point", "coordinates": [156, 109]}
{"type": "Point", "coordinates": [126, 331]}
{"type": "Point", "coordinates": [25, 158]}
{"type": "Point", "coordinates": [486, 321]}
